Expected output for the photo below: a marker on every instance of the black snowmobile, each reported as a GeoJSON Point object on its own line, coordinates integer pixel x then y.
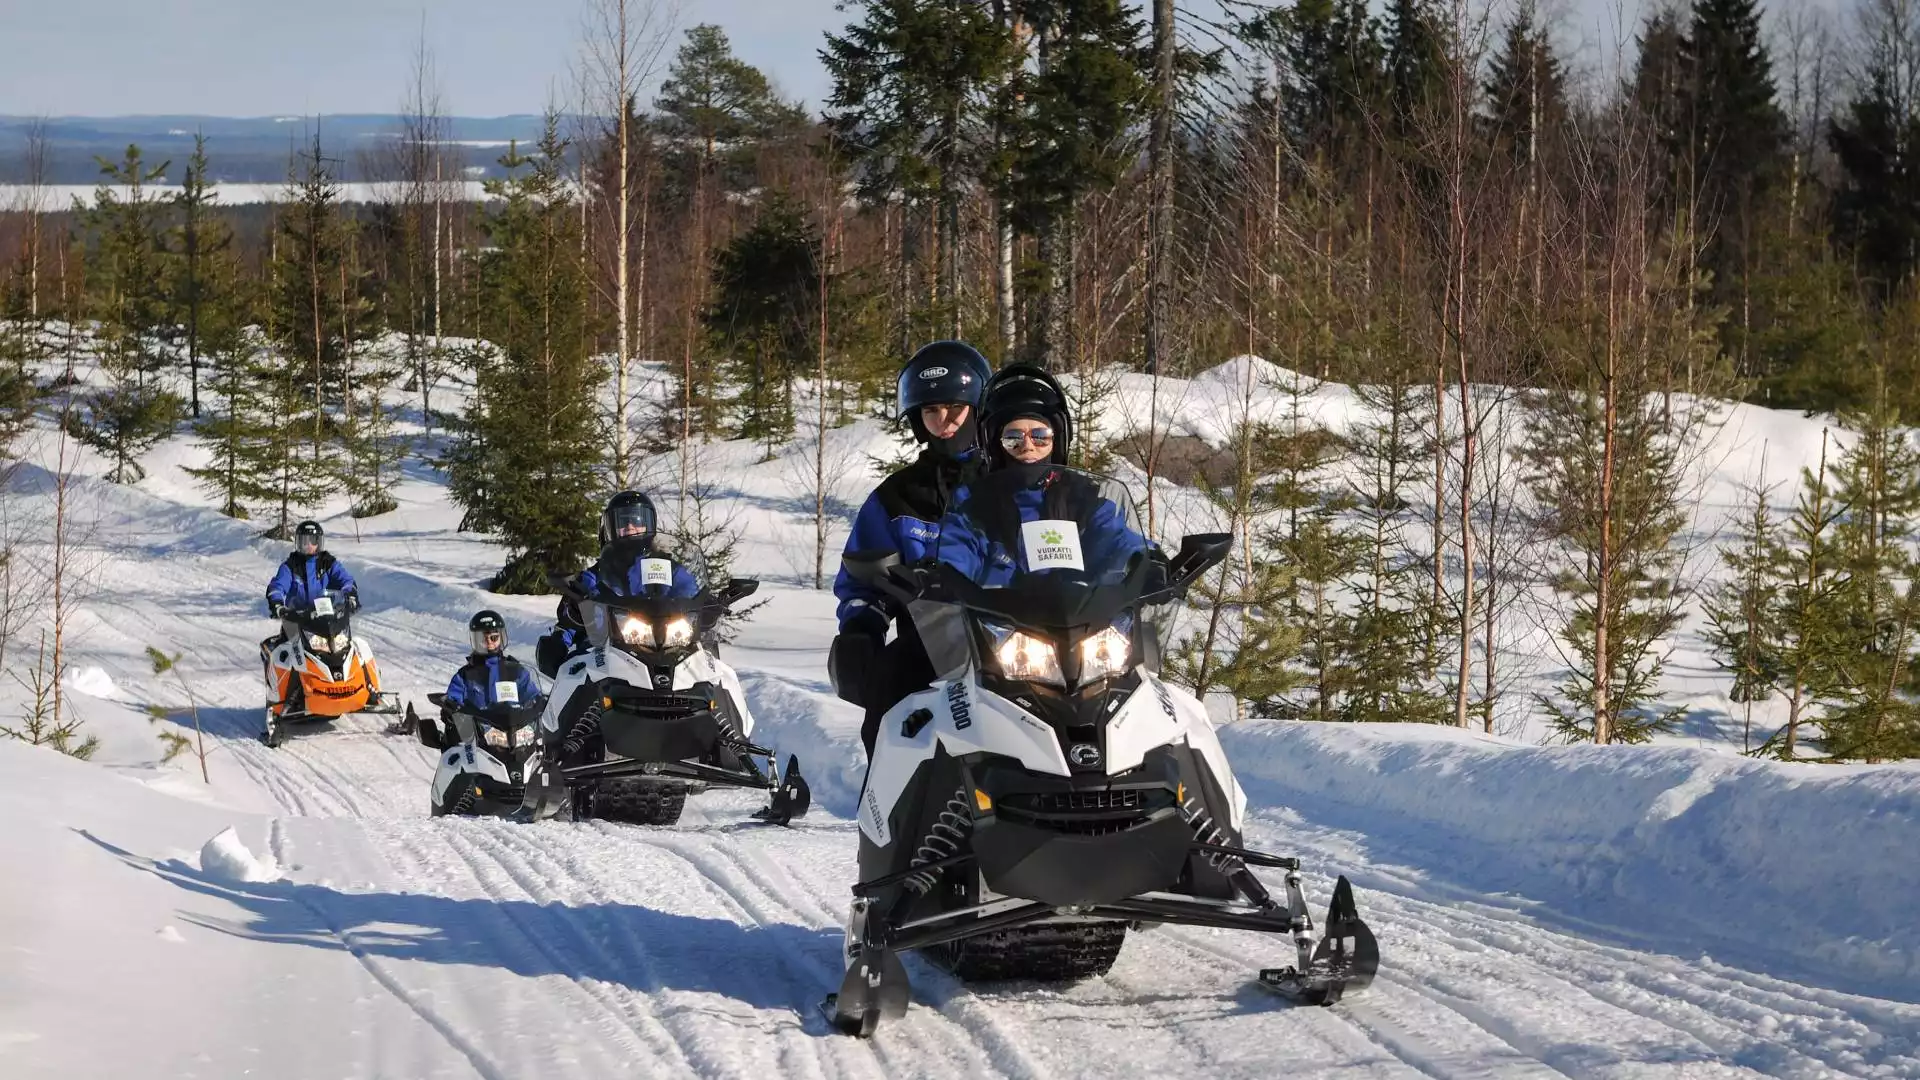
{"type": "Point", "coordinates": [1050, 792]}
{"type": "Point", "coordinates": [659, 717]}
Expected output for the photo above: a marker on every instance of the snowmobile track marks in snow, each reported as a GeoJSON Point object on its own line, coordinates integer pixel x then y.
{"type": "Point", "coordinates": [631, 1023]}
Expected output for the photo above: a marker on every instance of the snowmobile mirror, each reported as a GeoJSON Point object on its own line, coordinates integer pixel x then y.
{"type": "Point", "coordinates": [565, 586]}
{"type": "Point", "coordinates": [1199, 552]}
{"type": "Point", "coordinates": [436, 699]}
{"type": "Point", "coordinates": [738, 589]}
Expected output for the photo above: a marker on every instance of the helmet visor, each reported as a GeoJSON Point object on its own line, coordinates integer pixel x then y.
{"type": "Point", "coordinates": [309, 542]}
{"type": "Point", "coordinates": [629, 523]}
{"type": "Point", "coordinates": [489, 642]}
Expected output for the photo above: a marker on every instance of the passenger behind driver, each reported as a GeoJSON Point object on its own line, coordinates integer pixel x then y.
{"type": "Point", "coordinates": [1027, 428]}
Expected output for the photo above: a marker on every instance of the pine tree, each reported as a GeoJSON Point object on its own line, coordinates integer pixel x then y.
{"type": "Point", "coordinates": [1077, 109]}
{"type": "Point", "coordinates": [531, 450]}
{"type": "Point", "coordinates": [1808, 632]}
{"type": "Point", "coordinates": [766, 297]}
{"type": "Point", "coordinates": [238, 431]}
{"type": "Point", "coordinates": [1618, 516]}
{"type": "Point", "coordinates": [315, 300]}
{"type": "Point", "coordinates": [916, 86]}
{"type": "Point", "coordinates": [134, 410]}
{"type": "Point", "coordinates": [1393, 663]}
{"type": "Point", "coordinates": [716, 109]}
{"type": "Point", "coordinates": [1416, 62]}
{"type": "Point", "coordinates": [1526, 90]}
{"type": "Point", "coordinates": [1332, 61]}
{"type": "Point", "coordinates": [1879, 483]}
{"type": "Point", "coordinates": [1876, 210]}
{"type": "Point", "coordinates": [198, 241]}
{"type": "Point", "coordinates": [1737, 133]}
{"type": "Point", "coordinates": [1742, 611]}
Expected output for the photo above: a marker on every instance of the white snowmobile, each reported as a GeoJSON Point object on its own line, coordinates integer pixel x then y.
{"type": "Point", "coordinates": [1050, 791]}
{"type": "Point", "coordinates": [658, 716]}
{"type": "Point", "coordinates": [483, 768]}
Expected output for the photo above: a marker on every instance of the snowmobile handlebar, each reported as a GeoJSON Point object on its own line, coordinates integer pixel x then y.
{"type": "Point", "coordinates": [567, 585]}
{"type": "Point", "coordinates": [499, 715]}
{"type": "Point", "coordinates": [1053, 598]}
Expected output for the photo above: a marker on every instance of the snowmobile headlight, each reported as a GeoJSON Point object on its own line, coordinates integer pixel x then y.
{"type": "Point", "coordinates": [1104, 655]}
{"type": "Point", "coordinates": [636, 631]}
{"type": "Point", "coordinates": [498, 738]}
{"type": "Point", "coordinates": [679, 632]}
{"type": "Point", "coordinates": [1029, 659]}
{"type": "Point", "coordinates": [318, 643]}
{"type": "Point", "coordinates": [340, 642]}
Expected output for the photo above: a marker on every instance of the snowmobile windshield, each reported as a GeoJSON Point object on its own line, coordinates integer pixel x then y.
{"type": "Point", "coordinates": [324, 627]}
{"type": "Point", "coordinates": [1022, 526]}
{"type": "Point", "coordinates": [649, 624]}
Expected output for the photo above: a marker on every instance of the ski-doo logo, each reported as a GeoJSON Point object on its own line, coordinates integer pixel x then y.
{"type": "Point", "coordinates": [663, 681]}
{"type": "Point", "coordinates": [933, 373]}
{"type": "Point", "coordinates": [1085, 755]}
{"type": "Point", "coordinates": [1166, 699]}
{"type": "Point", "coordinates": [957, 705]}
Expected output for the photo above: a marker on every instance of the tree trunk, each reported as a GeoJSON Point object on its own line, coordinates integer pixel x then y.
{"type": "Point", "coordinates": [1160, 191]}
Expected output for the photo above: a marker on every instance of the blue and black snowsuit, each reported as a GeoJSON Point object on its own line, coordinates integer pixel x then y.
{"type": "Point", "coordinates": [621, 573]}
{"type": "Point", "coordinates": [903, 514]}
{"type": "Point", "coordinates": [476, 686]}
{"type": "Point", "coordinates": [981, 537]}
{"type": "Point", "coordinates": [302, 578]}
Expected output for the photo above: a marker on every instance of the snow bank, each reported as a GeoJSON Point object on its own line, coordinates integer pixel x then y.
{"type": "Point", "coordinates": [1815, 862]}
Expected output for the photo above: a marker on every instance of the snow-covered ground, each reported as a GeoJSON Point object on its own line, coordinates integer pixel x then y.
{"type": "Point", "coordinates": [1591, 912]}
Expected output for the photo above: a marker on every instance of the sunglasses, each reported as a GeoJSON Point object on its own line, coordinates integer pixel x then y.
{"type": "Point", "coordinates": [1038, 436]}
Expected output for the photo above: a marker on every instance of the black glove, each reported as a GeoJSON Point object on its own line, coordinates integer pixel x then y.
{"type": "Point", "coordinates": [279, 611]}
{"type": "Point", "coordinates": [851, 664]}
{"type": "Point", "coordinates": [353, 602]}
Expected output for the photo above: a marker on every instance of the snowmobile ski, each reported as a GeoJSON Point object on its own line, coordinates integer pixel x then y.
{"type": "Point", "coordinates": [875, 988]}
{"type": "Point", "coordinates": [1345, 959]}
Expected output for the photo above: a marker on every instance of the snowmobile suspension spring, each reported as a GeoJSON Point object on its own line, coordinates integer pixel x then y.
{"type": "Point", "coordinates": [943, 840]}
{"type": "Point", "coordinates": [1207, 832]}
{"type": "Point", "coordinates": [584, 729]}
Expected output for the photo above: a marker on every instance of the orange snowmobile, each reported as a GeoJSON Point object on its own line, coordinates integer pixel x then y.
{"type": "Point", "coordinates": [320, 672]}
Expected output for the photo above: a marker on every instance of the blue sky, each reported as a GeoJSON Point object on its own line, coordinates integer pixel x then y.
{"type": "Point", "coordinates": [299, 57]}
{"type": "Point", "coordinates": [271, 57]}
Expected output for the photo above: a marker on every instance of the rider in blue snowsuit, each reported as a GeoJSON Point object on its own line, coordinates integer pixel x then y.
{"type": "Point", "coordinates": [627, 529]}
{"type": "Point", "coordinates": [482, 680]}
{"type": "Point", "coordinates": [310, 572]}
{"type": "Point", "coordinates": [1026, 425]}
{"type": "Point", "coordinates": [941, 384]}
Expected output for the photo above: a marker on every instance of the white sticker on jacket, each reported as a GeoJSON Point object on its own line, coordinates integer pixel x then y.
{"type": "Point", "coordinates": [506, 693]}
{"type": "Point", "coordinates": [656, 572]}
{"type": "Point", "coordinates": [323, 605]}
{"type": "Point", "coordinates": [1052, 545]}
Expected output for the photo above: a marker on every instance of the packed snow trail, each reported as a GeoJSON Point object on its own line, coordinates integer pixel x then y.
{"type": "Point", "coordinates": [390, 944]}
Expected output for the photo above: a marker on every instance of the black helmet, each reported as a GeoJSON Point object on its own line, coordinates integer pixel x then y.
{"type": "Point", "coordinates": [1025, 390]}
{"type": "Point", "coordinates": [629, 515]}
{"type": "Point", "coordinates": [309, 532]}
{"type": "Point", "coordinates": [488, 632]}
{"type": "Point", "coordinates": [942, 373]}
